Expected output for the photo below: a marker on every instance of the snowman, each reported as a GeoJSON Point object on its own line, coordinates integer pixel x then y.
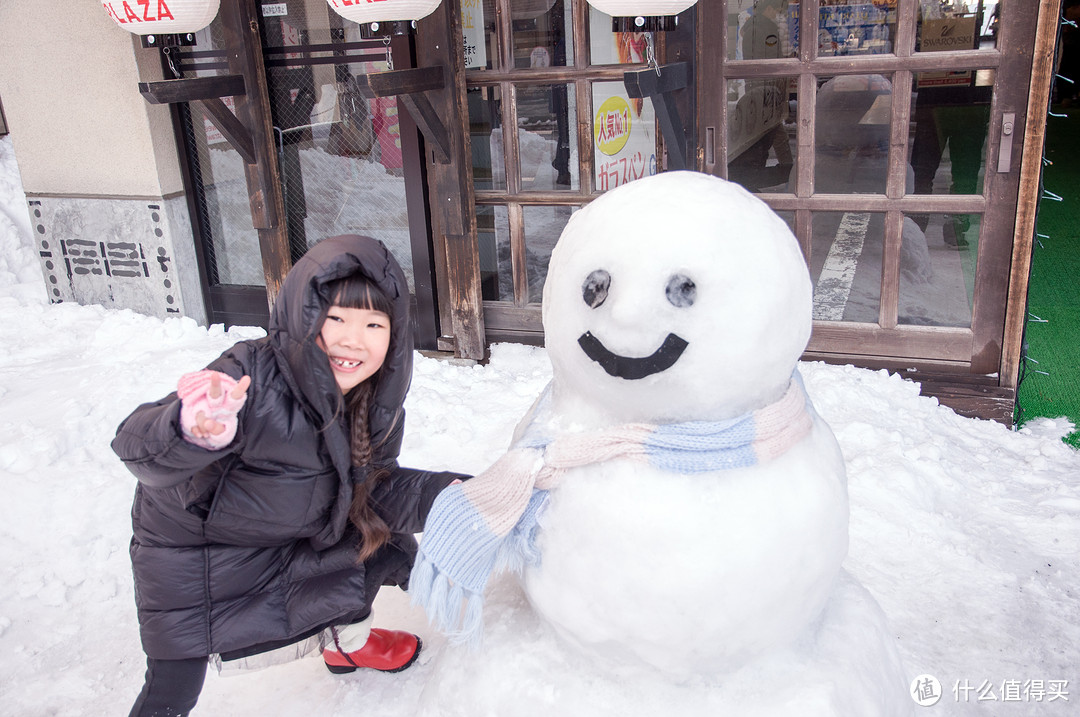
{"type": "Point", "coordinates": [672, 500]}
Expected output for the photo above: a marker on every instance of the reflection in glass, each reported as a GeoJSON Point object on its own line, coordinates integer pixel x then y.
{"type": "Point", "coordinates": [624, 136]}
{"type": "Point", "coordinates": [937, 270]}
{"type": "Point", "coordinates": [956, 26]}
{"type": "Point", "coordinates": [543, 33]}
{"type": "Point", "coordinates": [234, 243]}
{"type": "Point", "coordinates": [852, 135]}
{"type": "Point", "coordinates": [478, 34]}
{"type": "Point", "coordinates": [614, 48]}
{"type": "Point", "coordinates": [496, 268]}
{"type": "Point", "coordinates": [789, 219]}
{"type": "Point", "coordinates": [856, 27]}
{"type": "Point", "coordinates": [845, 263]}
{"type": "Point", "coordinates": [547, 148]}
{"type": "Point", "coordinates": [761, 133]}
{"type": "Point", "coordinates": [543, 226]}
{"type": "Point", "coordinates": [951, 118]}
{"type": "Point", "coordinates": [485, 131]}
{"type": "Point", "coordinates": [762, 29]}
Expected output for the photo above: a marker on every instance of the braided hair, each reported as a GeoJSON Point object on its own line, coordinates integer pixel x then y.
{"type": "Point", "coordinates": [358, 292]}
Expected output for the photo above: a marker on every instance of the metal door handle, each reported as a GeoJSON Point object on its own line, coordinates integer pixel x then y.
{"type": "Point", "coordinates": [1008, 121]}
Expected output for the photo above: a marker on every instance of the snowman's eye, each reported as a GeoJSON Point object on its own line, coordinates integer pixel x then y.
{"type": "Point", "coordinates": [681, 291]}
{"type": "Point", "coordinates": [594, 290]}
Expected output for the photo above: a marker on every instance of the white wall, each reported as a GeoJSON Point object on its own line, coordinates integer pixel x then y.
{"type": "Point", "coordinates": [68, 78]}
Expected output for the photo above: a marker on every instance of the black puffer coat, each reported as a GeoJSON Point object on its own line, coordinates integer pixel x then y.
{"type": "Point", "coordinates": [249, 547]}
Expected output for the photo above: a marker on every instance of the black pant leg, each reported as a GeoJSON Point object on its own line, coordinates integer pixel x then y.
{"type": "Point", "coordinates": [172, 687]}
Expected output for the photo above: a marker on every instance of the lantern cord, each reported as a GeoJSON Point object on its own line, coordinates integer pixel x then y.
{"type": "Point", "coordinates": [389, 53]}
{"type": "Point", "coordinates": [650, 51]}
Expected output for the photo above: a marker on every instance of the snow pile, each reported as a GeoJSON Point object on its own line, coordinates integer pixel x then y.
{"type": "Point", "coordinates": [20, 272]}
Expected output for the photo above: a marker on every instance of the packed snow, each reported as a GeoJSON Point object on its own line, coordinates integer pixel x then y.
{"type": "Point", "coordinates": [754, 531]}
{"type": "Point", "coordinates": [965, 534]}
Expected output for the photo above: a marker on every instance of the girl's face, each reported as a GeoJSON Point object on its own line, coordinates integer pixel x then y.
{"type": "Point", "coordinates": [356, 340]}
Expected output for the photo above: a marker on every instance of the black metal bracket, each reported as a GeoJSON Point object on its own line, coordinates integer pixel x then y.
{"type": "Point", "coordinates": [170, 39]}
{"type": "Point", "coordinates": [207, 91]}
{"type": "Point", "coordinates": [379, 30]}
{"type": "Point", "coordinates": [409, 87]}
{"type": "Point", "coordinates": [646, 23]}
{"type": "Point", "coordinates": [659, 85]}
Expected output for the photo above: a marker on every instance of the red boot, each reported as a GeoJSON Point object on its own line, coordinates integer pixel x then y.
{"type": "Point", "coordinates": [385, 650]}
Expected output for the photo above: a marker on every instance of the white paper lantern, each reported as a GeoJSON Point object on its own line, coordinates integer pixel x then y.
{"type": "Point", "coordinates": [368, 11]}
{"type": "Point", "coordinates": [641, 8]}
{"type": "Point", "coordinates": [162, 16]}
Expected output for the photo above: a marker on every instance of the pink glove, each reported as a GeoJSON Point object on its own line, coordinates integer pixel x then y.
{"type": "Point", "coordinates": [209, 402]}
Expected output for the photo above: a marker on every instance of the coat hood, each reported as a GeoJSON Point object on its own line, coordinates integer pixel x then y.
{"type": "Point", "coordinates": [294, 326]}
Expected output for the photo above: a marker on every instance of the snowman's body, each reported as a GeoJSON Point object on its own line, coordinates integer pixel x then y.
{"type": "Point", "coordinates": [692, 573]}
{"type": "Point", "coordinates": [675, 300]}
{"type": "Point", "coordinates": [680, 298]}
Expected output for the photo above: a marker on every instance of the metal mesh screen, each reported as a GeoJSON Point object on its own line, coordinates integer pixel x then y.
{"type": "Point", "coordinates": [339, 152]}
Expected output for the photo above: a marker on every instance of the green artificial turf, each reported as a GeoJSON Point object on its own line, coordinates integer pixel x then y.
{"type": "Point", "coordinates": [1050, 376]}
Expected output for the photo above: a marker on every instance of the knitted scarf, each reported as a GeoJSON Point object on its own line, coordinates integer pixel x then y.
{"type": "Point", "coordinates": [489, 523]}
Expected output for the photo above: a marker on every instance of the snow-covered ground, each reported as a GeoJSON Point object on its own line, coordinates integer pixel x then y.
{"type": "Point", "coordinates": [966, 533]}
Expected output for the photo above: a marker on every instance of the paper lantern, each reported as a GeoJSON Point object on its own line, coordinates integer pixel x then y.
{"type": "Point", "coordinates": [369, 11]}
{"type": "Point", "coordinates": [641, 8]}
{"type": "Point", "coordinates": [156, 17]}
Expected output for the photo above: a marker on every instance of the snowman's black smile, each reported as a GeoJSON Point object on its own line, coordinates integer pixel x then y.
{"type": "Point", "coordinates": [629, 367]}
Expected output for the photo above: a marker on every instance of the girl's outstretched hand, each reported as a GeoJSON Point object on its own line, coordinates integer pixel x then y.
{"type": "Point", "coordinates": [209, 403]}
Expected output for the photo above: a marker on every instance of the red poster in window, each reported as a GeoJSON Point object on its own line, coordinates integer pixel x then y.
{"type": "Point", "coordinates": [388, 130]}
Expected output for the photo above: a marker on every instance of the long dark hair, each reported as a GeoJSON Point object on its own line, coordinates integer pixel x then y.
{"type": "Point", "coordinates": [359, 292]}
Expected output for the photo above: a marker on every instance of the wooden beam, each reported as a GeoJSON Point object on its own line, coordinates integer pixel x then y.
{"type": "Point", "coordinates": [1042, 71]}
{"type": "Point", "coordinates": [648, 82]}
{"type": "Point", "coordinates": [401, 82]}
{"type": "Point", "coordinates": [240, 27]}
{"type": "Point", "coordinates": [230, 127]}
{"type": "Point", "coordinates": [208, 92]}
{"type": "Point", "coordinates": [439, 42]}
{"type": "Point", "coordinates": [428, 122]}
{"type": "Point", "coordinates": [659, 87]}
{"type": "Point", "coordinates": [409, 87]}
{"type": "Point", "coordinates": [166, 92]}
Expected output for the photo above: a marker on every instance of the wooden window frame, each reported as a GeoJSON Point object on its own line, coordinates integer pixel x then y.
{"type": "Point", "coordinates": [974, 350]}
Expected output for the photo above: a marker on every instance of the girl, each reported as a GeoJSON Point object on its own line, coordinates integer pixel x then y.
{"type": "Point", "coordinates": [270, 507]}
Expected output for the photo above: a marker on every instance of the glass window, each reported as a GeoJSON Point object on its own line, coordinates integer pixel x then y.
{"type": "Point", "coordinates": [478, 34]}
{"type": "Point", "coordinates": [856, 27]}
{"type": "Point", "coordinates": [234, 243]}
{"type": "Point", "coordinates": [956, 26]}
{"type": "Point", "coordinates": [543, 227]}
{"type": "Point", "coordinates": [761, 133]}
{"type": "Point", "coordinates": [496, 268]}
{"type": "Point", "coordinates": [547, 149]}
{"type": "Point", "coordinates": [762, 29]}
{"type": "Point", "coordinates": [937, 269]}
{"type": "Point", "coordinates": [950, 121]}
{"type": "Point", "coordinates": [615, 48]}
{"type": "Point", "coordinates": [542, 33]}
{"type": "Point", "coordinates": [624, 136]}
{"type": "Point", "coordinates": [485, 132]}
{"type": "Point", "coordinates": [851, 135]}
{"type": "Point", "coordinates": [845, 263]}
{"type": "Point", "coordinates": [341, 158]}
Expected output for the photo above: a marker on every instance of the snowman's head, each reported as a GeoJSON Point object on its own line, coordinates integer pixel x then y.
{"type": "Point", "coordinates": [673, 298]}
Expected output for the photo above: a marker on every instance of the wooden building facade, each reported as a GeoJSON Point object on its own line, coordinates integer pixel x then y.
{"type": "Point", "coordinates": [900, 139]}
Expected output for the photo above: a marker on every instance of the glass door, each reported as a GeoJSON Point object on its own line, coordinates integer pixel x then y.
{"type": "Point", "coordinates": [888, 135]}
{"type": "Point", "coordinates": [346, 164]}
{"type": "Point", "coordinates": [551, 127]}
